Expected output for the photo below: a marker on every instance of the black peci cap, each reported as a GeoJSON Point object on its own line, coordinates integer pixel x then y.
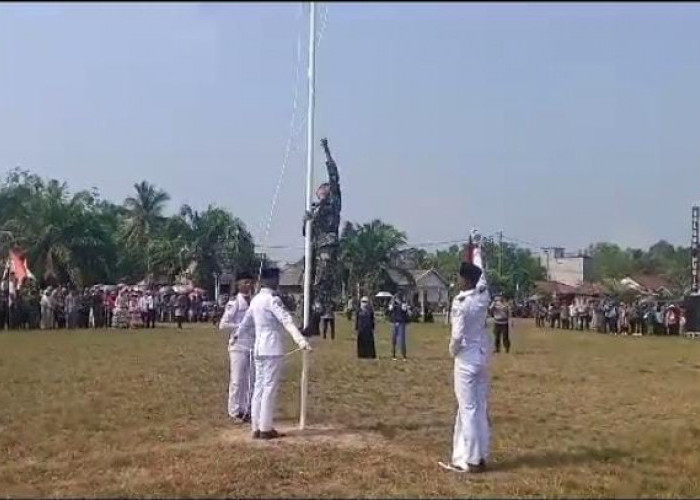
{"type": "Point", "coordinates": [243, 275]}
{"type": "Point", "coordinates": [270, 273]}
{"type": "Point", "coordinates": [469, 271]}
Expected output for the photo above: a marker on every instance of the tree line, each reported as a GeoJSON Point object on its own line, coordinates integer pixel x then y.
{"type": "Point", "coordinates": [83, 239]}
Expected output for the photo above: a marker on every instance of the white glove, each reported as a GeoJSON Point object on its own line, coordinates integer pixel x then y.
{"type": "Point", "coordinates": [305, 346]}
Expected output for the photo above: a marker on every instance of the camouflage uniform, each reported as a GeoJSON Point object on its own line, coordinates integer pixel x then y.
{"type": "Point", "coordinates": [324, 233]}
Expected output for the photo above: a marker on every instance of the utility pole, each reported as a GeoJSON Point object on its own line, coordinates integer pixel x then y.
{"type": "Point", "coordinates": [694, 249]}
{"type": "Point", "coordinates": [500, 253]}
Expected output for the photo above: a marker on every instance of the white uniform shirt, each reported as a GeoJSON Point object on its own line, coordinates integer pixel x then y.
{"type": "Point", "coordinates": [231, 320]}
{"type": "Point", "coordinates": [267, 319]}
{"type": "Point", "coordinates": [468, 318]}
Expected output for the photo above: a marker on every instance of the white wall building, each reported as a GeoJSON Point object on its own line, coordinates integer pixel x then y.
{"type": "Point", "coordinates": [571, 270]}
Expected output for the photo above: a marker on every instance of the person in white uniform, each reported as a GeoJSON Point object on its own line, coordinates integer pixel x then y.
{"type": "Point", "coordinates": [470, 345]}
{"type": "Point", "coordinates": [240, 351]}
{"type": "Point", "coordinates": [268, 319]}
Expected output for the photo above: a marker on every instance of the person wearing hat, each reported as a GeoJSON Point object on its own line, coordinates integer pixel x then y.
{"type": "Point", "coordinates": [470, 345]}
{"type": "Point", "coordinates": [241, 374]}
{"type": "Point", "coordinates": [501, 317]}
{"type": "Point", "coordinates": [266, 321]}
{"type": "Point", "coordinates": [364, 326]}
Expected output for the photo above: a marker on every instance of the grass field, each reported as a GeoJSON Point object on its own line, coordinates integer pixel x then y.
{"type": "Point", "coordinates": [105, 414]}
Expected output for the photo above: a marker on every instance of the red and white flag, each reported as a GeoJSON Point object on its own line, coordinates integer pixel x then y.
{"type": "Point", "coordinates": [472, 250]}
{"type": "Point", "coordinates": [18, 264]}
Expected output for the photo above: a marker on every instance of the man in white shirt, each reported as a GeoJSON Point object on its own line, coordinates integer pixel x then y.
{"type": "Point", "coordinates": [266, 320]}
{"type": "Point", "coordinates": [470, 345]}
{"type": "Point", "coordinates": [143, 309]}
{"type": "Point", "coordinates": [240, 351]}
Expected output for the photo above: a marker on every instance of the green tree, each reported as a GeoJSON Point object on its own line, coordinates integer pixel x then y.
{"type": "Point", "coordinates": [65, 235]}
{"type": "Point", "coordinates": [216, 241]}
{"type": "Point", "coordinates": [368, 252]}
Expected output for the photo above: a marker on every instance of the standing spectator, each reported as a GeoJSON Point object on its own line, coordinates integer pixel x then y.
{"type": "Point", "coordinates": [134, 312]}
{"type": "Point", "coordinates": [501, 318]}
{"type": "Point", "coordinates": [98, 309]}
{"type": "Point", "coordinates": [623, 319]}
{"type": "Point", "coordinates": [71, 310]}
{"type": "Point", "coordinates": [364, 326]}
{"type": "Point", "coordinates": [672, 320]}
{"type": "Point", "coordinates": [328, 319]}
{"type": "Point", "coordinates": [681, 322]}
{"type": "Point", "coordinates": [398, 308]}
{"type": "Point", "coordinates": [4, 308]}
{"type": "Point", "coordinates": [83, 303]}
{"type": "Point", "coordinates": [46, 310]}
{"type": "Point", "coordinates": [59, 310]}
{"type": "Point", "coordinates": [574, 316]}
{"type": "Point", "coordinates": [611, 318]}
{"type": "Point", "coordinates": [120, 314]}
{"type": "Point", "coordinates": [143, 309]}
{"type": "Point", "coordinates": [564, 314]}
{"type": "Point", "coordinates": [542, 314]}
{"type": "Point", "coordinates": [33, 309]}
{"type": "Point", "coordinates": [632, 318]}
{"type": "Point", "coordinates": [640, 312]}
{"type": "Point", "coordinates": [110, 304]}
{"type": "Point", "coordinates": [150, 310]}
{"type": "Point", "coordinates": [349, 309]}
{"type": "Point", "coordinates": [659, 322]}
{"type": "Point", "coordinates": [554, 316]}
{"type": "Point", "coordinates": [599, 317]}
{"type": "Point", "coordinates": [180, 309]}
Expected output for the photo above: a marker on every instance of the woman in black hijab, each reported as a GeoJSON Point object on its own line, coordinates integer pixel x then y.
{"type": "Point", "coordinates": [364, 326]}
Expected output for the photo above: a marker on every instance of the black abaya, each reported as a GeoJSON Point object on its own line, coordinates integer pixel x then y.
{"type": "Point", "coordinates": [364, 326]}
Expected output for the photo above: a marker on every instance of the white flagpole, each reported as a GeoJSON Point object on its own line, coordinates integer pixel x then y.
{"type": "Point", "coordinates": [309, 186]}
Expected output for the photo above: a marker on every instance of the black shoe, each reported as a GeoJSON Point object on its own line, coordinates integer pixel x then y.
{"type": "Point", "coordinates": [477, 469]}
{"type": "Point", "coordinates": [272, 434]}
{"type": "Point", "coordinates": [246, 418]}
{"type": "Point", "coordinates": [256, 434]}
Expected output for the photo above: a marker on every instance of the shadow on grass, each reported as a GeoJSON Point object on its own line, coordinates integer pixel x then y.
{"type": "Point", "coordinates": [555, 458]}
{"type": "Point", "coordinates": [389, 431]}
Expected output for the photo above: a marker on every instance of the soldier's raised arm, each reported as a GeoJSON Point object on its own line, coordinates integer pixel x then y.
{"type": "Point", "coordinates": [333, 177]}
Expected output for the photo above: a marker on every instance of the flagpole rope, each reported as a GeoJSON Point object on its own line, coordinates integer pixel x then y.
{"type": "Point", "coordinates": [293, 134]}
{"type": "Point", "coordinates": [288, 148]}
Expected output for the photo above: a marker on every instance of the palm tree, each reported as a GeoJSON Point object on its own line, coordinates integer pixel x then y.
{"type": "Point", "coordinates": [368, 252]}
{"type": "Point", "coordinates": [216, 241]}
{"type": "Point", "coordinates": [142, 221]}
{"type": "Point", "coordinates": [65, 236]}
{"type": "Point", "coordinates": [143, 213]}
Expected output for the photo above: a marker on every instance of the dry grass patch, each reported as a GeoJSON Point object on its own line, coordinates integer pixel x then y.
{"type": "Point", "coordinates": [105, 414]}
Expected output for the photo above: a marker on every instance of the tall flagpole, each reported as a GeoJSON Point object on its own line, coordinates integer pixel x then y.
{"type": "Point", "coordinates": [309, 186]}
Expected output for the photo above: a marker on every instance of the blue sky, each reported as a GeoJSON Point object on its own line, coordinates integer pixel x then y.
{"type": "Point", "coordinates": [561, 124]}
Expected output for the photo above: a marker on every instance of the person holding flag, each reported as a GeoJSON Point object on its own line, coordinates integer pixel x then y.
{"type": "Point", "coordinates": [470, 345]}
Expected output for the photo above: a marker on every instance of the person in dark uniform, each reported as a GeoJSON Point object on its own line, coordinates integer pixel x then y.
{"type": "Point", "coordinates": [325, 219]}
{"type": "Point", "coordinates": [501, 318]}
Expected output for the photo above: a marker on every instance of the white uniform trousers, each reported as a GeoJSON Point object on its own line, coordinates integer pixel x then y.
{"type": "Point", "coordinates": [268, 370]}
{"type": "Point", "coordinates": [242, 376]}
{"type": "Point", "coordinates": [472, 434]}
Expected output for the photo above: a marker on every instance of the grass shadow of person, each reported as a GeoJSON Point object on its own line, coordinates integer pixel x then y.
{"type": "Point", "coordinates": [554, 458]}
